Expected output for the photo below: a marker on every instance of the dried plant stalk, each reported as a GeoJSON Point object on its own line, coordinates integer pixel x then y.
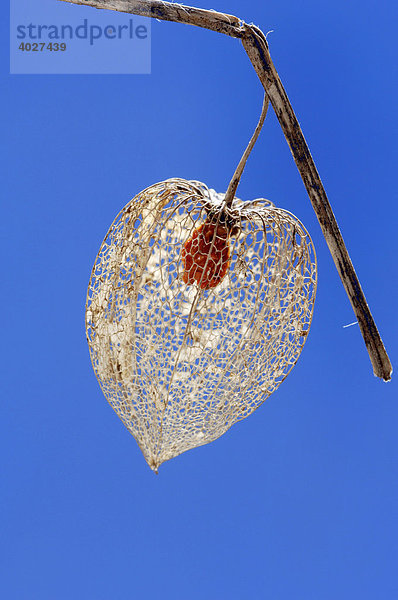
{"type": "Point", "coordinates": [181, 360]}
{"type": "Point", "coordinates": [256, 47]}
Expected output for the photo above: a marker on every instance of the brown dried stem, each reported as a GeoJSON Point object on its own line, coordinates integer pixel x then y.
{"type": "Point", "coordinates": [233, 184]}
{"type": "Point", "coordinates": [256, 47]}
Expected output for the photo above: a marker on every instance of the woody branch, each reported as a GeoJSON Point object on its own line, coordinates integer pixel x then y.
{"type": "Point", "coordinates": [256, 47]}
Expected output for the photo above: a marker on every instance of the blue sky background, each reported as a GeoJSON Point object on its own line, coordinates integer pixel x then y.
{"type": "Point", "coordinates": [300, 499]}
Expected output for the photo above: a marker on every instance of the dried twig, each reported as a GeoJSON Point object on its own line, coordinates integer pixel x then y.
{"type": "Point", "coordinates": [233, 184]}
{"type": "Point", "coordinates": [256, 47]}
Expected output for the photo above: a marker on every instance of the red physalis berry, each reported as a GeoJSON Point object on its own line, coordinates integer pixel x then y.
{"type": "Point", "coordinates": [206, 255]}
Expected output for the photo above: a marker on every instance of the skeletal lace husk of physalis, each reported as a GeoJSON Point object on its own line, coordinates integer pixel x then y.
{"type": "Point", "coordinates": [196, 312]}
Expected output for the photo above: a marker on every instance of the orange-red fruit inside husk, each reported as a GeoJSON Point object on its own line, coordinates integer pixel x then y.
{"type": "Point", "coordinates": [206, 255]}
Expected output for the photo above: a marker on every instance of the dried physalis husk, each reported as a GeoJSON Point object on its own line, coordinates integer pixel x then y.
{"type": "Point", "coordinates": [196, 312]}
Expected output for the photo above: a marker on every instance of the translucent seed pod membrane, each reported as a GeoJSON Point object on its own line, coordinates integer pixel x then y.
{"type": "Point", "coordinates": [196, 312]}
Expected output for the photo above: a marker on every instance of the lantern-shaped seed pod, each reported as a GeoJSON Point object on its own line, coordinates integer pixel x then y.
{"type": "Point", "coordinates": [196, 312]}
